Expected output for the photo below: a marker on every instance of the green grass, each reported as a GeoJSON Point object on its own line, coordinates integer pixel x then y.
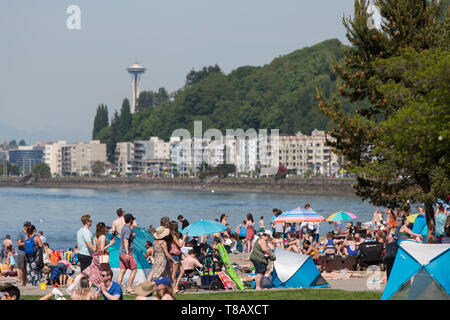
{"type": "Point", "coordinates": [288, 294]}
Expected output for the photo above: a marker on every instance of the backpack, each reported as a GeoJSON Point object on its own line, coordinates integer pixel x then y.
{"type": "Point", "coordinates": [29, 245]}
{"type": "Point", "coordinates": [242, 231]}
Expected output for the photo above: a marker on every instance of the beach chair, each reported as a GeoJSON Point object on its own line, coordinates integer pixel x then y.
{"type": "Point", "coordinates": [370, 253]}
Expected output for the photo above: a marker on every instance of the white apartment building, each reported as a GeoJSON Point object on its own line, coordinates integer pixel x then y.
{"type": "Point", "coordinates": [78, 158]}
{"type": "Point", "coordinates": [149, 157]}
{"type": "Point", "coordinates": [73, 159]}
{"type": "Point", "coordinates": [53, 156]}
{"type": "Point", "coordinates": [308, 153]}
{"type": "Point", "coordinates": [124, 155]}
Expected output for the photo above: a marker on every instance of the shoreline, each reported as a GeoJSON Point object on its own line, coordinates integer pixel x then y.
{"type": "Point", "coordinates": [314, 186]}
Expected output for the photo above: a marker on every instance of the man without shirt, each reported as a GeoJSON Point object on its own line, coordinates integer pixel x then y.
{"type": "Point", "coordinates": [118, 224]}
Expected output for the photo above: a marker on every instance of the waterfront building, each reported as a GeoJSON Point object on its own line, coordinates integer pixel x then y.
{"type": "Point", "coordinates": [308, 154]}
{"type": "Point", "coordinates": [26, 157]}
{"type": "Point", "coordinates": [53, 156]}
{"type": "Point", "coordinates": [73, 159]}
{"type": "Point", "coordinates": [124, 155]}
{"type": "Point", "coordinates": [136, 70]}
{"type": "Point", "coordinates": [77, 159]}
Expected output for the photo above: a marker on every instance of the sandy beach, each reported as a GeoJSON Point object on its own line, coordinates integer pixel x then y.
{"type": "Point", "coordinates": [351, 284]}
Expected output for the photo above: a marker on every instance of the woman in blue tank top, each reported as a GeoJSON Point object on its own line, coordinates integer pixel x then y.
{"type": "Point", "coordinates": [351, 248]}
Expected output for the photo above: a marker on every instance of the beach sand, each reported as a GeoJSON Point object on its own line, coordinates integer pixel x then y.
{"type": "Point", "coordinates": [351, 284]}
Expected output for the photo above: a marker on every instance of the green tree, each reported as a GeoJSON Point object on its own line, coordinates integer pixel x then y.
{"type": "Point", "coordinates": [12, 143]}
{"type": "Point", "coordinates": [113, 138]}
{"type": "Point", "coordinates": [194, 77]}
{"type": "Point", "coordinates": [99, 167]}
{"type": "Point", "coordinates": [22, 143]}
{"type": "Point", "coordinates": [41, 170]}
{"type": "Point", "coordinates": [11, 169]}
{"type": "Point", "coordinates": [362, 80]}
{"type": "Point", "coordinates": [101, 120]}
{"type": "Point", "coordinates": [124, 121]}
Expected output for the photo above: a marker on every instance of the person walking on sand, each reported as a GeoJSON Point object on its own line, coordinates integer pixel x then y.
{"type": "Point", "coordinates": [84, 242]}
{"type": "Point", "coordinates": [32, 245]}
{"type": "Point", "coordinates": [126, 251]}
{"type": "Point", "coordinates": [21, 261]}
{"type": "Point", "coordinates": [93, 271]}
{"type": "Point", "coordinates": [250, 223]}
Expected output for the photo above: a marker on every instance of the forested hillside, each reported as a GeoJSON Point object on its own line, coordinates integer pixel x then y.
{"type": "Point", "coordinates": [279, 95]}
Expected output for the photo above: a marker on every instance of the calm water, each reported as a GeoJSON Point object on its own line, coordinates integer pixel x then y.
{"type": "Point", "coordinates": [57, 212]}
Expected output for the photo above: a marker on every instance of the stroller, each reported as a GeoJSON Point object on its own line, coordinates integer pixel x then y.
{"type": "Point", "coordinates": [370, 253]}
{"type": "Point", "coordinates": [209, 278]}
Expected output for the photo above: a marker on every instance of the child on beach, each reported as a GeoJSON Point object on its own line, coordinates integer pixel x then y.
{"type": "Point", "coordinates": [262, 227]}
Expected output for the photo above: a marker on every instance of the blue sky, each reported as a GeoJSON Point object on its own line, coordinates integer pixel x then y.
{"type": "Point", "coordinates": [52, 78]}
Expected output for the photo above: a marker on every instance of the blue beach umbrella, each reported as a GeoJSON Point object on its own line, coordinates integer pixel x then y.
{"type": "Point", "coordinates": [203, 227]}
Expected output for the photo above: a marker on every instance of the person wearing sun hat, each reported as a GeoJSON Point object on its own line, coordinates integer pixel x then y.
{"type": "Point", "coordinates": [145, 290]}
{"type": "Point", "coordinates": [161, 253]}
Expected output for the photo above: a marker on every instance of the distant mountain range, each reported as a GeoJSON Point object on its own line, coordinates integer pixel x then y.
{"type": "Point", "coordinates": [33, 135]}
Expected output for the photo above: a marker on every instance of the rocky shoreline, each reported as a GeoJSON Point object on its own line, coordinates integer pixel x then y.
{"type": "Point", "coordinates": [312, 186]}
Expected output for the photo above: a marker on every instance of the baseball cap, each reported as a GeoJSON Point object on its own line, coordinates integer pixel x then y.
{"type": "Point", "coordinates": [27, 223]}
{"type": "Point", "coordinates": [163, 280]}
{"type": "Point", "coordinates": [128, 217]}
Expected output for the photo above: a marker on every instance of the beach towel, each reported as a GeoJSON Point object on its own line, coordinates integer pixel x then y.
{"type": "Point", "coordinates": [226, 281]}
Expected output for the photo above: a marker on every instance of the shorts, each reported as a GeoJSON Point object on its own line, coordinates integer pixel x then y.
{"type": "Point", "coordinates": [260, 268]}
{"type": "Point", "coordinates": [85, 261]}
{"type": "Point", "coordinates": [62, 269]}
{"type": "Point", "coordinates": [176, 257]}
{"type": "Point", "coordinates": [127, 262]}
{"type": "Point", "coordinates": [21, 262]}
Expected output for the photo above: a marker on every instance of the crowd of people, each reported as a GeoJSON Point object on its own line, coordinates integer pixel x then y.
{"type": "Point", "coordinates": [172, 255]}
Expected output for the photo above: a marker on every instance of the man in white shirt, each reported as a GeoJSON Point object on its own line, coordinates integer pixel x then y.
{"type": "Point", "coordinates": [84, 242]}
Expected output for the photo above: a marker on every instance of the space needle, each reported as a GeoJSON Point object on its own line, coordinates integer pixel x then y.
{"type": "Point", "coordinates": [136, 70]}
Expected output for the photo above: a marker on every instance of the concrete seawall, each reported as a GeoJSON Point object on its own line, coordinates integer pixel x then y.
{"type": "Point", "coordinates": [287, 186]}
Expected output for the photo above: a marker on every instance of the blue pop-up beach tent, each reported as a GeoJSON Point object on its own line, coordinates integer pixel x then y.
{"type": "Point", "coordinates": [420, 226]}
{"type": "Point", "coordinates": [295, 270]}
{"type": "Point", "coordinates": [144, 268]}
{"type": "Point", "coordinates": [420, 272]}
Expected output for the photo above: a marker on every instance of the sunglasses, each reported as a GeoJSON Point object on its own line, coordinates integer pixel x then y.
{"type": "Point", "coordinates": [103, 275]}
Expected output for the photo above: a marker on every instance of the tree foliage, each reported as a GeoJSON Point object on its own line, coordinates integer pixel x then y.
{"type": "Point", "coordinates": [101, 120]}
{"type": "Point", "coordinates": [279, 95]}
{"type": "Point", "coordinates": [41, 170]}
{"type": "Point", "coordinates": [394, 75]}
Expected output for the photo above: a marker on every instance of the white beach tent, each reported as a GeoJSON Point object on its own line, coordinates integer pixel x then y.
{"type": "Point", "coordinates": [295, 270]}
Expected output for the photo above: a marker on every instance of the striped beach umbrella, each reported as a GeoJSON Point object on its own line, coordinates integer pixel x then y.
{"type": "Point", "coordinates": [299, 215]}
{"type": "Point", "coordinates": [341, 215]}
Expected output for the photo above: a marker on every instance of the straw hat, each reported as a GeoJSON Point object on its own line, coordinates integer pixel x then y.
{"type": "Point", "coordinates": [146, 288]}
{"type": "Point", "coordinates": [161, 232]}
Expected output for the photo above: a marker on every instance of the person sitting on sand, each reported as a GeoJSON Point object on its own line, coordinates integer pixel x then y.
{"type": "Point", "coordinates": [190, 262]}
{"type": "Point", "coordinates": [308, 249]}
{"type": "Point", "coordinates": [350, 246]}
{"type": "Point", "coordinates": [82, 292]}
{"type": "Point", "coordinates": [277, 241]}
{"type": "Point", "coordinates": [293, 243]}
